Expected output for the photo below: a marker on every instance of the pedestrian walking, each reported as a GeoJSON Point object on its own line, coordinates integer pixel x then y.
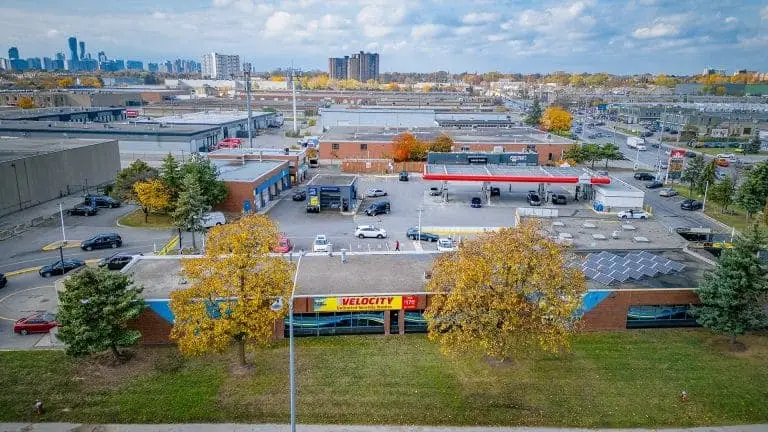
{"type": "Point", "coordinates": [397, 245]}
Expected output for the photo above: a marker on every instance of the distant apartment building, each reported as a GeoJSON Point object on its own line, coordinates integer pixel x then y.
{"type": "Point", "coordinates": [360, 66]}
{"type": "Point", "coordinates": [153, 67]}
{"type": "Point", "coordinates": [714, 71]}
{"type": "Point", "coordinates": [220, 66]}
{"type": "Point", "coordinates": [134, 65]}
{"type": "Point", "coordinates": [34, 63]}
{"type": "Point", "coordinates": [13, 53]}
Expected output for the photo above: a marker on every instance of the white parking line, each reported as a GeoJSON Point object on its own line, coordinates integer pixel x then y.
{"type": "Point", "coordinates": [19, 292]}
{"type": "Point", "coordinates": [417, 245]}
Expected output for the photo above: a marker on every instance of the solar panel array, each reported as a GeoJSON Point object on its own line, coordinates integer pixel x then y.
{"type": "Point", "coordinates": [607, 268]}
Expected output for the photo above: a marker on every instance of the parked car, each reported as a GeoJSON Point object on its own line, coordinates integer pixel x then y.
{"type": "Point", "coordinates": [3, 280]}
{"type": "Point", "coordinates": [116, 261]}
{"type": "Point", "coordinates": [364, 231]}
{"type": "Point", "coordinates": [60, 267]}
{"type": "Point", "coordinates": [413, 234]}
{"type": "Point", "coordinates": [299, 195]}
{"type": "Point", "coordinates": [373, 193]}
{"type": "Point", "coordinates": [320, 244]}
{"type": "Point", "coordinates": [722, 162]}
{"type": "Point", "coordinates": [654, 184]}
{"type": "Point", "coordinates": [445, 245]}
{"type": "Point", "coordinates": [729, 156]}
{"type": "Point", "coordinates": [102, 241]}
{"type": "Point", "coordinates": [284, 245]}
{"type": "Point", "coordinates": [632, 214]}
{"type": "Point", "coordinates": [476, 202]}
{"type": "Point", "coordinates": [559, 199]}
{"type": "Point", "coordinates": [720, 175]}
{"type": "Point", "coordinates": [83, 210]}
{"type": "Point", "coordinates": [667, 192]}
{"type": "Point", "coordinates": [533, 198]}
{"type": "Point", "coordinates": [101, 201]}
{"type": "Point", "coordinates": [377, 208]}
{"type": "Point", "coordinates": [644, 176]}
{"type": "Point", "coordinates": [495, 191]}
{"type": "Point", "coordinates": [690, 154]}
{"type": "Point", "coordinates": [403, 176]}
{"type": "Point", "coordinates": [435, 191]}
{"type": "Point", "coordinates": [38, 322]}
{"type": "Point", "coordinates": [211, 219]}
{"type": "Point", "coordinates": [691, 204]}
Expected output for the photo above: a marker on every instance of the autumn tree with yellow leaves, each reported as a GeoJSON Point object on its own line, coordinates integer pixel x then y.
{"type": "Point", "coordinates": [152, 195]}
{"type": "Point", "coordinates": [232, 289]}
{"type": "Point", "coordinates": [556, 119]}
{"type": "Point", "coordinates": [507, 293]}
{"type": "Point", "coordinates": [26, 102]}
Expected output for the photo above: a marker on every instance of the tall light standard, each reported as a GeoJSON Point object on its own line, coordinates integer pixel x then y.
{"type": "Point", "coordinates": [63, 235]}
{"type": "Point", "coordinates": [293, 75]}
{"type": "Point", "coordinates": [291, 350]}
{"type": "Point", "coordinates": [247, 75]}
{"type": "Point", "coordinates": [420, 210]}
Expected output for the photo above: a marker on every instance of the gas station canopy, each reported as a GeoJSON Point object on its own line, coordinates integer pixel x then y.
{"type": "Point", "coordinates": [512, 174]}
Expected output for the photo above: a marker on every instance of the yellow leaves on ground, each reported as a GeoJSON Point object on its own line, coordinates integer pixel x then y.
{"type": "Point", "coordinates": [507, 293]}
{"type": "Point", "coordinates": [231, 289]}
{"type": "Point", "coordinates": [556, 119]}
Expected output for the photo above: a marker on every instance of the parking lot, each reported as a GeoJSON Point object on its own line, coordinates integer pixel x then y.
{"type": "Point", "coordinates": [25, 294]}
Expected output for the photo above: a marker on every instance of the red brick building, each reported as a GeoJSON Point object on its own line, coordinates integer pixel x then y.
{"type": "Point", "coordinates": [252, 184]}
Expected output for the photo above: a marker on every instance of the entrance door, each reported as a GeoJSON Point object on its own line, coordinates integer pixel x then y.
{"type": "Point", "coordinates": [394, 322]}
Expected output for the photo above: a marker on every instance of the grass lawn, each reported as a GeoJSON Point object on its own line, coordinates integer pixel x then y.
{"type": "Point", "coordinates": [619, 379]}
{"type": "Point", "coordinates": [136, 219]}
{"type": "Point", "coordinates": [736, 220]}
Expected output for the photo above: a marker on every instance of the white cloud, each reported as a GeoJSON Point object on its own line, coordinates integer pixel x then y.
{"type": "Point", "coordinates": [463, 30]}
{"type": "Point", "coordinates": [731, 20]}
{"type": "Point", "coordinates": [220, 3]}
{"type": "Point", "coordinates": [159, 15]}
{"type": "Point", "coordinates": [279, 23]}
{"type": "Point", "coordinates": [657, 30]}
{"type": "Point", "coordinates": [475, 18]}
{"type": "Point", "coordinates": [496, 37]}
{"type": "Point", "coordinates": [426, 31]}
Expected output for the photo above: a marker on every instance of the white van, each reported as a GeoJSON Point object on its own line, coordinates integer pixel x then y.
{"type": "Point", "coordinates": [212, 219]}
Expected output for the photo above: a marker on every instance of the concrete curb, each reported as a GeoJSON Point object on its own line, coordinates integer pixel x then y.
{"type": "Point", "coordinates": [55, 245]}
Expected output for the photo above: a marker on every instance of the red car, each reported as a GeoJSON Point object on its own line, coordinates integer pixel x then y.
{"type": "Point", "coordinates": [40, 322]}
{"type": "Point", "coordinates": [229, 143]}
{"type": "Point", "coordinates": [284, 245]}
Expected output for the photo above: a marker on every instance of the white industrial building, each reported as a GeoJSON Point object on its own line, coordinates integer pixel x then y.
{"type": "Point", "coordinates": [617, 196]}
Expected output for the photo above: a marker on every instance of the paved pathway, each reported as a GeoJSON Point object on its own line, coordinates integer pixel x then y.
{"type": "Point", "coordinates": [73, 427]}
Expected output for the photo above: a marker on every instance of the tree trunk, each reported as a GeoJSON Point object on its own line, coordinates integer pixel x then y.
{"type": "Point", "coordinates": [241, 350]}
{"type": "Point", "coordinates": [733, 339]}
{"type": "Point", "coordinates": [146, 214]}
{"type": "Point", "coordinates": [194, 245]}
{"type": "Point", "coordinates": [115, 352]}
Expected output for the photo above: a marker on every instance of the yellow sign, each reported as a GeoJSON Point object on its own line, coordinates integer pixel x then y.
{"type": "Point", "coordinates": [314, 201]}
{"type": "Point", "coordinates": [364, 303]}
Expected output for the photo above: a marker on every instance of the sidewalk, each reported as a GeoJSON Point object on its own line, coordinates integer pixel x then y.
{"type": "Point", "coordinates": [73, 427]}
{"type": "Point", "coordinates": [21, 221]}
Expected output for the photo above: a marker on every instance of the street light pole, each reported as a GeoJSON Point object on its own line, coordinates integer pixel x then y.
{"type": "Point", "coordinates": [291, 350]}
{"type": "Point", "coordinates": [420, 210]}
{"type": "Point", "coordinates": [247, 74]}
{"type": "Point", "coordinates": [704, 203]}
{"type": "Point", "coordinates": [61, 216]}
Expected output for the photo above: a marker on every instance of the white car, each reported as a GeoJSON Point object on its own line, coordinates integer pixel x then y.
{"type": "Point", "coordinates": [373, 193]}
{"type": "Point", "coordinates": [445, 245]}
{"type": "Point", "coordinates": [212, 219]}
{"type": "Point", "coordinates": [632, 214]}
{"type": "Point", "coordinates": [321, 243]}
{"type": "Point", "coordinates": [364, 231]}
{"type": "Point", "coordinates": [729, 156]}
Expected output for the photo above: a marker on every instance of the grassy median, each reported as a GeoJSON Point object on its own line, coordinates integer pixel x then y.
{"type": "Point", "coordinates": [136, 219]}
{"type": "Point", "coordinates": [621, 379]}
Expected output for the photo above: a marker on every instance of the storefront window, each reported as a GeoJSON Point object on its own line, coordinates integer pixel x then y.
{"type": "Point", "coordinates": [646, 316]}
{"type": "Point", "coordinates": [415, 322]}
{"type": "Point", "coordinates": [334, 323]}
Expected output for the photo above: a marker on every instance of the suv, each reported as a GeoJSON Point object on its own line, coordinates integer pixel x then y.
{"type": "Point", "coordinates": [403, 176]}
{"type": "Point", "coordinates": [378, 207]}
{"type": "Point", "coordinates": [102, 241]}
{"type": "Point", "coordinates": [116, 261]}
{"type": "Point", "coordinates": [644, 176]}
{"type": "Point", "coordinates": [299, 195]}
{"type": "Point", "coordinates": [101, 201]}
{"type": "Point", "coordinates": [559, 199]}
{"type": "Point", "coordinates": [476, 202]}
{"type": "Point", "coordinates": [533, 198]}
{"type": "Point", "coordinates": [413, 234]}
{"type": "Point", "coordinates": [691, 204]}
{"type": "Point", "coordinates": [83, 210]}
{"type": "Point", "coordinates": [364, 231]}
{"type": "Point", "coordinates": [212, 219]}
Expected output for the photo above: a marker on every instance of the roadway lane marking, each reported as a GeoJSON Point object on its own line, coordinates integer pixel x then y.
{"type": "Point", "coordinates": [18, 292]}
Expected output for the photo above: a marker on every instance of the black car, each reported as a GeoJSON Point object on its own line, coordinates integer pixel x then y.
{"type": "Point", "coordinates": [654, 184]}
{"type": "Point", "coordinates": [559, 199]}
{"type": "Point", "coordinates": [83, 210]}
{"type": "Point", "coordinates": [495, 191]}
{"type": "Point", "coordinates": [413, 234]}
{"type": "Point", "coordinates": [476, 202]}
{"type": "Point", "coordinates": [691, 204]}
{"type": "Point", "coordinates": [60, 267]}
{"type": "Point", "coordinates": [116, 261]}
{"type": "Point", "coordinates": [101, 201]}
{"type": "Point", "coordinates": [3, 281]}
{"type": "Point", "coordinates": [299, 195]}
{"type": "Point", "coordinates": [403, 176]}
{"type": "Point", "coordinates": [378, 207]}
{"type": "Point", "coordinates": [102, 241]}
{"type": "Point", "coordinates": [533, 199]}
{"type": "Point", "coordinates": [644, 176]}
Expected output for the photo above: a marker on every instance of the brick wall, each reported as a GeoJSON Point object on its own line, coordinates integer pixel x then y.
{"type": "Point", "coordinates": [237, 192]}
{"type": "Point", "coordinates": [154, 328]}
{"type": "Point", "coordinates": [611, 313]}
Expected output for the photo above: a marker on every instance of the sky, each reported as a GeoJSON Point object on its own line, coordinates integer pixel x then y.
{"type": "Point", "coordinates": [527, 36]}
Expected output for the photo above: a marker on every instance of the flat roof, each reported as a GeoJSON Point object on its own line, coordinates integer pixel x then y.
{"type": "Point", "coordinates": [236, 171]}
{"type": "Point", "coordinates": [336, 180]}
{"type": "Point", "coordinates": [513, 174]}
{"type": "Point", "coordinates": [205, 117]}
{"type": "Point", "coordinates": [102, 128]}
{"type": "Point", "coordinates": [255, 151]}
{"type": "Point", "coordinates": [20, 148]}
{"type": "Point", "coordinates": [31, 114]}
{"type": "Point", "coordinates": [385, 273]}
{"type": "Point", "coordinates": [511, 135]}
{"type": "Point", "coordinates": [619, 185]}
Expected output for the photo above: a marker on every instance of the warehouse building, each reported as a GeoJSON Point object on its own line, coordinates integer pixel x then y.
{"type": "Point", "coordinates": [384, 293]}
{"type": "Point", "coordinates": [252, 185]}
{"type": "Point", "coordinates": [231, 124]}
{"type": "Point", "coordinates": [36, 170]}
{"type": "Point", "coordinates": [376, 142]}
{"type": "Point", "coordinates": [297, 159]}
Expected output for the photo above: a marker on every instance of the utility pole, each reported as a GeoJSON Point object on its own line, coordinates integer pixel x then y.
{"type": "Point", "coordinates": [420, 210]}
{"type": "Point", "coordinates": [704, 202]}
{"type": "Point", "coordinates": [247, 74]}
{"type": "Point", "coordinates": [294, 74]}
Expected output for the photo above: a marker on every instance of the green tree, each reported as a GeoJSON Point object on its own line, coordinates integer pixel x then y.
{"type": "Point", "coordinates": [610, 152]}
{"type": "Point", "coordinates": [574, 153]}
{"type": "Point", "coordinates": [170, 174]}
{"type": "Point", "coordinates": [442, 143]}
{"type": "Point", "coordinates": [591, 153]}
{"type": "Point", "coordinates": [94, 307]}
{"type": "Point", "coordinates": [213, 190]}
{"type": "Point", "coordinates": [190, 207]}
{"type": "Point", "coordinates": [693, 168]}
{"type": "Point", "coordinates": [753, 146]}
{"type": "Point", "coordinates": [534, 114]}
{"type": "Point", "coordinates": [723, 192]}
{"type": "Point", "coordinates": [689, 132]}
{"type": "Point", "coordinates": [751, 195]}
{"type": "Point", "coordinates": [707, 176]}
{"type": "Point", "coordinates": [732, 294]}
{"type": "Point", "coordinates": [418, 152]}
{"type": "Point", "coordinates": [137, 171]}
